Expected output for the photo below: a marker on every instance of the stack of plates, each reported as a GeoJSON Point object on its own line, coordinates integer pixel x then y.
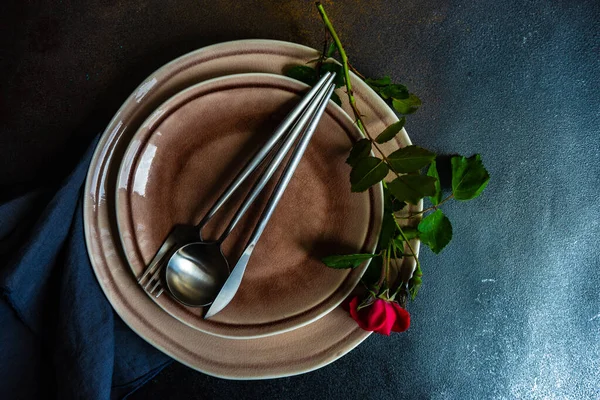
{"type": "Point", "coordinates": [165, 157]}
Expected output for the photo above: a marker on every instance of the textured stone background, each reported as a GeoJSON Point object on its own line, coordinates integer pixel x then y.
{"type": "Point", "coordinates": [511, 309]}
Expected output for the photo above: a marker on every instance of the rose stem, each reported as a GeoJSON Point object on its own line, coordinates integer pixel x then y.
{"type": "Point", "coordinates": [351, 99]}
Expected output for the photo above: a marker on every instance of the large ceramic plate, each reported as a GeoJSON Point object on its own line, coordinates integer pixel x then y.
{"type": "Point", "coordinates": [294, 352]}
{"type": "Point", "coordinates": [184, 156]}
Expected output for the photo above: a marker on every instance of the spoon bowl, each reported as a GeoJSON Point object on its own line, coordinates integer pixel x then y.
{"type": "Point", "coordinates": [196, 272]}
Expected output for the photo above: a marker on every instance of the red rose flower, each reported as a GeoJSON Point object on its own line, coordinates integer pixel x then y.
{"type": "Point", "coordinates": [381, 316]}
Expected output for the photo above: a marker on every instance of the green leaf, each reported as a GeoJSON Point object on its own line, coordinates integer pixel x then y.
{"type": "Point", "coordinates": [391, 131]}
{"type": "Point", "coordinates": [346, 261]}
{"type": "Point", "coordinates": [394, 91]}
{"type": "Point", "coordinates": [412, 188]}
{"type": "Point", "coordinates": [407, 106]}
{"type": "Point", "coordinates": [397, 205]}
{"type": "Point", "coordinates": [388, 225]}
{"type": "Point", "coordinates": [391, 204]}
{"type": "Point", "coordinates": [339, 73]}
{"type": "Point", "coordinates": [360, 149]}
{"type": "Point", "coordinates": [410, 232]}
{"type": "Point", "coordinates": [388, 200]}
{"type": "Point", "coordinates": [433, 172]}
{"type": "Point", "coordinates": [385, 81]}
{"type": "Point", "coordinates": [367, 172]}
{"type": "Point", "coordinates": [469, 177]}
{"type": "Point", "coordinates": [376, 89]}
{"type": "Point", "coordinates": [304, 74]}
{"type": "Point", "coordinates": [373, 272]}
{"type": "Point", "coordinates": [388, 231]}
{"type": "Point", "coordinates": [435, 231]}
{"type": "Point", "coordinates": [331, 50]}
{"type": "Point", "coordinates": [336, 99]}
{"type": "Point", "coordinates": [410, 159]}
{"type": "Point", "coordinates": [399, 245]}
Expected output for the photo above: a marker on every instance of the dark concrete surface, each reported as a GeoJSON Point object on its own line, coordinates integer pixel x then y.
{"type": "Point", "coordinates": [511, 309]}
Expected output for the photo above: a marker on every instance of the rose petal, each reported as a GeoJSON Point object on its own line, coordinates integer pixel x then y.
{"type": "Point", "coordinates": [390, 318]}
{"type": "Point", "coordinates": [366, 317]}
{"type": "Point", "coordinates": [352, 306]}
{"type": "Point", "coordinates": [373, 317]}
{"type": "Point", "coordinates": [381, 316]}
{"type": "Point", "coordinates": [402, 320]}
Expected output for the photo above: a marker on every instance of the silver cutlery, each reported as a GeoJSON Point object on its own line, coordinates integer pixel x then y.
{"type": "Point", "coordinates": [186, 273]}
{"type": "Point", "coordinates": [232, 284]}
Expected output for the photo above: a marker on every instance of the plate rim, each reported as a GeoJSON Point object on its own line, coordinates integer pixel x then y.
{"type": "Point", "coordinates": [123, 309]}
{"type": "Point", "coordinates": [127, 168]}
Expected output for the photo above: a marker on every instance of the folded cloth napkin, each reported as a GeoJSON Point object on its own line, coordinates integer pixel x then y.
{"type": "Point", "coordinates": [59, 335]}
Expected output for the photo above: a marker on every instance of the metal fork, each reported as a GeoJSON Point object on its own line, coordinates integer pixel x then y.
{"type": "Point", "coordinates": [180, 235]}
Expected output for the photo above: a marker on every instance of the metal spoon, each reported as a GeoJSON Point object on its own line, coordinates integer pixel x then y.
{"type": "Point", "coordinates": [197, 272]}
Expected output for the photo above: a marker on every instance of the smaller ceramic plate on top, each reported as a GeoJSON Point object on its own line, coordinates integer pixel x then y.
{"type": "Point", "coordinates": [183, 157]}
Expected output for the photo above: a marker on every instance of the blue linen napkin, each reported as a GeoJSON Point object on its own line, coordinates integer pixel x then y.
{"type": "Point", "coordinates": [59, 335]}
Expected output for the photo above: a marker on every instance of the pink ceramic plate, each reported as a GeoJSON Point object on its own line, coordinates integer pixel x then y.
{"type": "Point", "coordinates": [186, 153]}
{"type": "Point", "coordinates": [297, 351]}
